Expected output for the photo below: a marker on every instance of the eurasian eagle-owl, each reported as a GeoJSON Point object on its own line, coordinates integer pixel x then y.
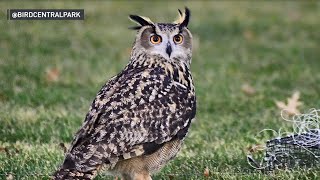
{"type": "Point", "coordinates": [140, 117]}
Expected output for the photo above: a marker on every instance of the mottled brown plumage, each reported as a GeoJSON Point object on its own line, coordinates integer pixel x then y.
{"type": "Point", "coordinates": [140, 117]}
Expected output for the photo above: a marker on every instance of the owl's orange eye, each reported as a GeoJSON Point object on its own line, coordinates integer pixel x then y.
{"type": "Point", "coordinates": [155, 39]}
{"type": "Point", "coordinates": [178, 39]}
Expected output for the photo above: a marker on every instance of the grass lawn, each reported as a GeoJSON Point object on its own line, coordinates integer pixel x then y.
{"type": "Point", "coordinates": [50, 71]}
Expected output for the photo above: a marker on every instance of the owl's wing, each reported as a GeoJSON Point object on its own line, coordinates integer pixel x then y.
{"type": "Point", "coordinates": [146, 109]}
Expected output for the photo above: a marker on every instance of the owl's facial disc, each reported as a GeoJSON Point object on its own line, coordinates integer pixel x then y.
{"type": "Point", "coordinates": [169, 45]}
{"type": "Point", "coordinates": [166, 48]}
{"type": "Point", "coordinates": [172, 41]}
{"type": "Point", "coordinates": [165, 40]}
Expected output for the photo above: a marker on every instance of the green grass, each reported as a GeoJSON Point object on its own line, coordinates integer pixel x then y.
{"type": "Point", "coordinates": [272, 46]}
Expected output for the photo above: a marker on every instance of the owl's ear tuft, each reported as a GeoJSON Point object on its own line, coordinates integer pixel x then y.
{"type": "Point", "coordinates": [183, 19]}
{"type": "Point", "coordinates": [180, 13]}
{"type": "Point", "coordinates": [180, 17]}
{"type": "Point", "coordinates": [142, 21]}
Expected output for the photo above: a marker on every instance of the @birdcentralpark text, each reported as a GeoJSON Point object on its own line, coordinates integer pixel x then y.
{"type": "Point", "coordinates": [45, 14]}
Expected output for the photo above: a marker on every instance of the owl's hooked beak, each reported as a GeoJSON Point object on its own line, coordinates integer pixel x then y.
{"type": "Point", "coordinates": [168, 49]}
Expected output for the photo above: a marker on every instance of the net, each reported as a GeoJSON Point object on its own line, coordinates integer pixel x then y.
{"type": "Point", "coordinates": [299, 149]}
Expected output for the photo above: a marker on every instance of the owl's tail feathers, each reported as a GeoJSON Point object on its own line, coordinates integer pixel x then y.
{"type": "Point", "coordinates": [71, 174]}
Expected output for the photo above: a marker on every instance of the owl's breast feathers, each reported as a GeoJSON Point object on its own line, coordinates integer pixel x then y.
{"type": "Point", "coordinates": [149, 103]}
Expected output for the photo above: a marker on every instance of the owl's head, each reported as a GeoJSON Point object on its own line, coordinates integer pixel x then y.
{"type": "Point", "coordinates": [172, 41]}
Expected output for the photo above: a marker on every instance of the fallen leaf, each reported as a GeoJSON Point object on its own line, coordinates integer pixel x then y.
{"type": "Point", "coordinates": [255, 148]}
{"type": "Point", "coordinates": [206, 172]}
{"type": "Point", "coordinates": [3, 97]}
{"type": "Point", "coordinates": [294, 15]}
{"type": "Point", "coordinates": [63, 147]}
{"type": "Point", "coordinates": [2, 148]}
{"type": "Point", "coordinates": [10, 151]}
{"type": "Point", "coordinates": [248, 35]}
{"type": "Point", "coordinates": [248, 89]}
{"type": "Point", "coordinates": [291, 108]}
{"type": "Point", "coordinates": [170, 176]}
{"type": "Point", "coordinates": [5, 149]}
{"type": "Point", "coordinates": [52, 74]}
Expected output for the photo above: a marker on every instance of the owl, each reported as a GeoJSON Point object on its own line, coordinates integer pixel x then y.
{"type": "Point", "coordinates": [139, 119]}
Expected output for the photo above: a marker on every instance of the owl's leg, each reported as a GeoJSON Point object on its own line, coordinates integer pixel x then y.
{"type": "Point", "coordinates": [137, 176]}
{"type": "Point", "coordinates": [142, 177]}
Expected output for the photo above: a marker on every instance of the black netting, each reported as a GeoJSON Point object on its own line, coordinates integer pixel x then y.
{"type": "Point", "coordinates": [292, 151]}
